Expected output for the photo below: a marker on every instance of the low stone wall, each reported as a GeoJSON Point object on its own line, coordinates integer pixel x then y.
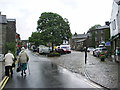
{"type": "Point", "coordinates": [2, 69]}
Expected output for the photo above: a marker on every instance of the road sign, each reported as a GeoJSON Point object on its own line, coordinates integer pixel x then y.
{"type": "Point", "coordinates": [107, 44]}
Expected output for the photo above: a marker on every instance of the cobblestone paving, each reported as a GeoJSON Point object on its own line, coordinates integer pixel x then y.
{"type": "Point", "coordinates": [73, 62]}
{"type": "Point", "coordinates": [104, 73]}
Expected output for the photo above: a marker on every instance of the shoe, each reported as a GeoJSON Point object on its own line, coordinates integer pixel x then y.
{"type": "Point", "coordinates": [25, 73]}
{"type": "Point", "coordinates": [22, 74]}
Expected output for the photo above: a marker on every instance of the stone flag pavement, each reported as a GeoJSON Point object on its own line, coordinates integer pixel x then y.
{"type": "Point", "coordinates": [104, 73]}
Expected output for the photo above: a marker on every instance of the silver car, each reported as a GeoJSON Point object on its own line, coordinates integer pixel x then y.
{"type": "Point", "coordinates": [97, 51]}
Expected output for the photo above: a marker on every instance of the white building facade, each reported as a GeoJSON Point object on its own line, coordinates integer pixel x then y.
{"type": "Point", "coordinates": [115, 24]}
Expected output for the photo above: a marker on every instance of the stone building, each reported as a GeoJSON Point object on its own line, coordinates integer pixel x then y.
{"type": "Point", "coordinates": [115, 25]}
{"type": "Point", "coordinates": [99, 35]}
{"type": "Point", "coordinates": [78, 41]}
{"type": "Point", "coordinates": [3, 27]}
{"type": "Point", "coordinates": [7, 31]}
{"type": "Point", "coordinates": [11, 30]}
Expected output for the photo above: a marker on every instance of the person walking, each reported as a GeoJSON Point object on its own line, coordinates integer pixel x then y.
{"type": "Point", "coordinates": [9, 57]}
{"type": "Point", "coordinates": [23, 60]}
{"type": "Point", "coordinates": [18, 51]}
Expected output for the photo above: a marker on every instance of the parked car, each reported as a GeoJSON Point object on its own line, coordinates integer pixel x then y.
{"type": "Point", "coordinates": [66, 48]}
{"type": "Point", "coordinates": [90, 49]}
{"type": "Point", "coordinates": [44, 50]}
{"type": "Point", "coordinates": [63, 49]}
{"type": "Point", "coordinates": [59, 50]}
{"type": "Point", "coordinates": [97, 51]}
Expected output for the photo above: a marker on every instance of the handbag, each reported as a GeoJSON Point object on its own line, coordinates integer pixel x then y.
{"type": "Point", "coordinates": [18, 69]}
{"type": "Point", "coordinates": [13, 65]}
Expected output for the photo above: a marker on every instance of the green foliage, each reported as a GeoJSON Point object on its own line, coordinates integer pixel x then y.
{"type": "Point", "coordinates": [53, 28]}
{"type": "Point", "coordinates": [10, 46]}
{"type": "Point", "coordinates": [36, 38]}
{"type": "Point", "coordinates": [95, 26]}
{"type": "Point", "coordinates": [102, 55]}
{"type": "Point", "coordinates": [52, 54]}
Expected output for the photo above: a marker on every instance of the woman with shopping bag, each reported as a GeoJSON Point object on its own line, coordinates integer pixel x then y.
{"type": "Point", "coordinates": [22, 61]}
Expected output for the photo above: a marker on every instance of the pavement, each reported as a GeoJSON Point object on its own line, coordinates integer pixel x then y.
{"type": "Point", "coordinates": [103, 73]}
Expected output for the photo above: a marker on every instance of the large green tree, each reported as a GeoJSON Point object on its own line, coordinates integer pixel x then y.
{"type": "Point", "coordinates": [53, 28]}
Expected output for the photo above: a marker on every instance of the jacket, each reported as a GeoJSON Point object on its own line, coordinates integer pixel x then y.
{"type": "Point", "coordinates": [9, 59]}
{"type": "Point", "coordinates": [23, 57]}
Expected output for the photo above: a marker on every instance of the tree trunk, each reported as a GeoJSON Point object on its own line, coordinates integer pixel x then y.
{"type": "Point", "coordinates": [52, 47]}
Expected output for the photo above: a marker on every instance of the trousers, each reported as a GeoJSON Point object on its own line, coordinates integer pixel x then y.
{"type": "Point", "coordinates": [8, 70]}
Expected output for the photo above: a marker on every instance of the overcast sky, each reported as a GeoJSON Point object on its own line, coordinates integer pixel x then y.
{"type": "Point", "coordinates": [81, 14]}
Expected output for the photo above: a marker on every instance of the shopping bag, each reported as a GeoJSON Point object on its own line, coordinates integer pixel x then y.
{"type": "Point", "coordinates": [13, 65]}
{"type": "Point", "coordinates": [18, 69]}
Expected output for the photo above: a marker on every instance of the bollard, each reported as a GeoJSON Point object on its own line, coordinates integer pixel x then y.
{"type": "Point", "coordinates": [2, 70]}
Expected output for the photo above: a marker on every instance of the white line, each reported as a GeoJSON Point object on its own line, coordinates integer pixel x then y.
{"type": "Point", "coordinates": [91, 84]}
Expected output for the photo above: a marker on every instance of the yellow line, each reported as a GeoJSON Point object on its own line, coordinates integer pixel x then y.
{"type": "Point", "coordinates": [4, 83]}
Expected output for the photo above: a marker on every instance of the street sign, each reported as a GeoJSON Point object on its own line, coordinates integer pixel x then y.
{"type": "Point", "coordinates": [107, 44]}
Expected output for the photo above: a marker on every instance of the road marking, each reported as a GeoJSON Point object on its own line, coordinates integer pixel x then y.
{"type": "Point", "coordinates": [3, 83]}
{"type": "Point", "coordinates": [92, 84]}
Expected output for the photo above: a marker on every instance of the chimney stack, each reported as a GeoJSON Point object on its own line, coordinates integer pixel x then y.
{"type": "Point", "coordinates": [107, 23]}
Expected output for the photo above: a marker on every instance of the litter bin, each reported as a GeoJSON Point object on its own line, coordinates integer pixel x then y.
{"type": "Point", "coordinates": [2, 70]}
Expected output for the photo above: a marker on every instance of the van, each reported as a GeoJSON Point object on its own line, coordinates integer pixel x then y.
{"type": "Point", "coordinates": [43, 49]}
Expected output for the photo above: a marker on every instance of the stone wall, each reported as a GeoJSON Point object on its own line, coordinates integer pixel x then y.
{"type": "Point", "coordinates": [3, 23]}
{"type": "Point", "coordinates": [2, 69]}
{"type": "Point", "coordinates": [7, 31]}
{"type": "Point", "coordinates": [11, 30]}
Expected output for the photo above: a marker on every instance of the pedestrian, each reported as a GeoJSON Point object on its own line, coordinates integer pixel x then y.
{"type": "Point", "coordinates": [9, 57]}
{"type": "Point", "coordinates": [23, 60]}
{"type": "Point", "coordinates": [86, 55]}
{"type": "Point", "coordinates": [18, 51]}
{"type": "Point", "coordinates": [117, 54]}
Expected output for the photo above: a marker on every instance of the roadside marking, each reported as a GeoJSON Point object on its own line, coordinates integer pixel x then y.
{"type": "Point", "coordinates": [92, 84]}
{"type": "Point", "coordinates": [3, 83]}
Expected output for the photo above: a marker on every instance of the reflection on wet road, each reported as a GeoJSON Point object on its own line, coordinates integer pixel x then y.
{"type": "Point", "coordinates": [44, 74]}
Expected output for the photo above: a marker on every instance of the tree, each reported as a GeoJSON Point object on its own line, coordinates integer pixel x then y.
{"type": "Point", "coordinates": [95, 26]}
{"type": "Point", "coordinates": [10, 46]}
{"type": "Point", "coordinates": [36, 38]}
{"type": "Point", "coordinates": [93, 34]}
{"type": "Point", "coordinates": [53, 28]}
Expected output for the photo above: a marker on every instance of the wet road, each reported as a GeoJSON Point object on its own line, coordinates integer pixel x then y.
{"type": "Point", "coordinates": [44, 74]}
